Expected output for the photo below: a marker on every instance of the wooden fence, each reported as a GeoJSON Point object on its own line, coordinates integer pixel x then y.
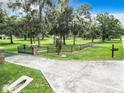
{"type": "Point", "coordinates": [25, 49]}
{"type": "Point", "coordinates": [67, 48]}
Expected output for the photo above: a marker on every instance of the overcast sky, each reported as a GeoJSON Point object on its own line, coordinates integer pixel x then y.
{"type": "Point", "coordinates": [115, 7]}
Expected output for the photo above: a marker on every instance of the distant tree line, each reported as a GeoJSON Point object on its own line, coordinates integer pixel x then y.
{"type": "Point", "coordinates": [57, 20]}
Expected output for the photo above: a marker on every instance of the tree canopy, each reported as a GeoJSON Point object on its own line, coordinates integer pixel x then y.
{"type": "Point", "coordinates": [40, 18]}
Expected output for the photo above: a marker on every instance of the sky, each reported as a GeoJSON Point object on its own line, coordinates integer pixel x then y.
{"type": "Point", "coordinates": [115, 7]}
{"type": "Point", "coordinates": [111, 6]}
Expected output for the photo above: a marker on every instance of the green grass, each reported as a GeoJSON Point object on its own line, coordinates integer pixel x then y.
{"type": "Point", "coordinates": [101, 51]}
{"type": "Point", "coordinates": [47, 42]}
{"type": "Point", "coordinates": [9, 73]}
{"type": "Point", "coordinates": [12, 48]}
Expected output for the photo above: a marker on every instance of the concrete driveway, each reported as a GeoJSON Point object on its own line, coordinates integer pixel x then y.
{"type": "Point", "coordinates": [76, 76]}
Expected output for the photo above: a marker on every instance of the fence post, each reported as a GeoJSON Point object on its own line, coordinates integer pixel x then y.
{"type": "Point", "coordinates": [112, 50]}
{"type": "Point", "coordinates": [80, 47]}
{"type": "Point", "coordinates": [32, 50]}
{"type": "Point", "coordinates": [2, 55]}
{"type": "Point", "coordinates": [24, 47]}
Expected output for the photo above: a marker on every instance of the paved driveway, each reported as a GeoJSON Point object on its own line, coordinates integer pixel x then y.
{"type": "Point", "coordinates": [77, 77]}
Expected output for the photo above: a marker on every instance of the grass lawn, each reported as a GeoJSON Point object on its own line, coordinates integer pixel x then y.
{"type": "Point", "coordinates": [12, 48]}
{"type": "Point", "coordinates": [101, 51]}
{"type": "Point", "coordinates": [47, 42]}
{"type": "Point", "coordinates": [10, 72]}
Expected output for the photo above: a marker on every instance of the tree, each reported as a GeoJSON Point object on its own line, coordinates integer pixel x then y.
{"type": "Point", "coordinates": [10, 24]}
{"type": "Point", "coordinates": [60, 18]}
{"type": "Point", "coordinates": [109, 25]}
{"type": "Point", "coordinates": [82, 17]}
{"type": "Point", "coordinates": [53, 22]}
{"type": "Point", "coordinates": [22, 28]}
{"type": "Point", "coordinates": [2, 14]}
{"type": "Point", "coordinates": [41, 4]}
{"type": "Point", "coordinates": [75, 27]}
{"type": "Point", "coordinates": [66, 19]}
{"type": "Point", "coordinates": [25, 7]}
{"type": "Point", "coordinates": [93, 29]}
{"type": "Point", "coordinates": [2, 19]}
{"type": "Point", "coordinates": [62, 26]}
{"type": "Point", "coordinates": [84, 11]}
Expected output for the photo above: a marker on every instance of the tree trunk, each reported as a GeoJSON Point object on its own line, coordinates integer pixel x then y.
{"type": "Point", "coordinates": [54, 40]}
{"type": "Point", "coordinates": [92, 39]}
{"type": "Point", "coordinates": [64, 43]}
{"type": "Point", "coordinates": [74, 38]}
{"type": "Point", "coordinates": [11, 38]}
{"type": "Point", "coordinates": [25, 37]}
{"type": "Point", "coordinates": [31, 41]}
{"type": "Point", "coordinates": [61, 39]}
{"type": "Point", "coordinates": [60, 45]}
{"type": "Point", "coordinates": [43, 35]}
{"type": "Point", "coordinates": [103, 38]}
{"type": "Point", "coordinates": [38, 41]}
